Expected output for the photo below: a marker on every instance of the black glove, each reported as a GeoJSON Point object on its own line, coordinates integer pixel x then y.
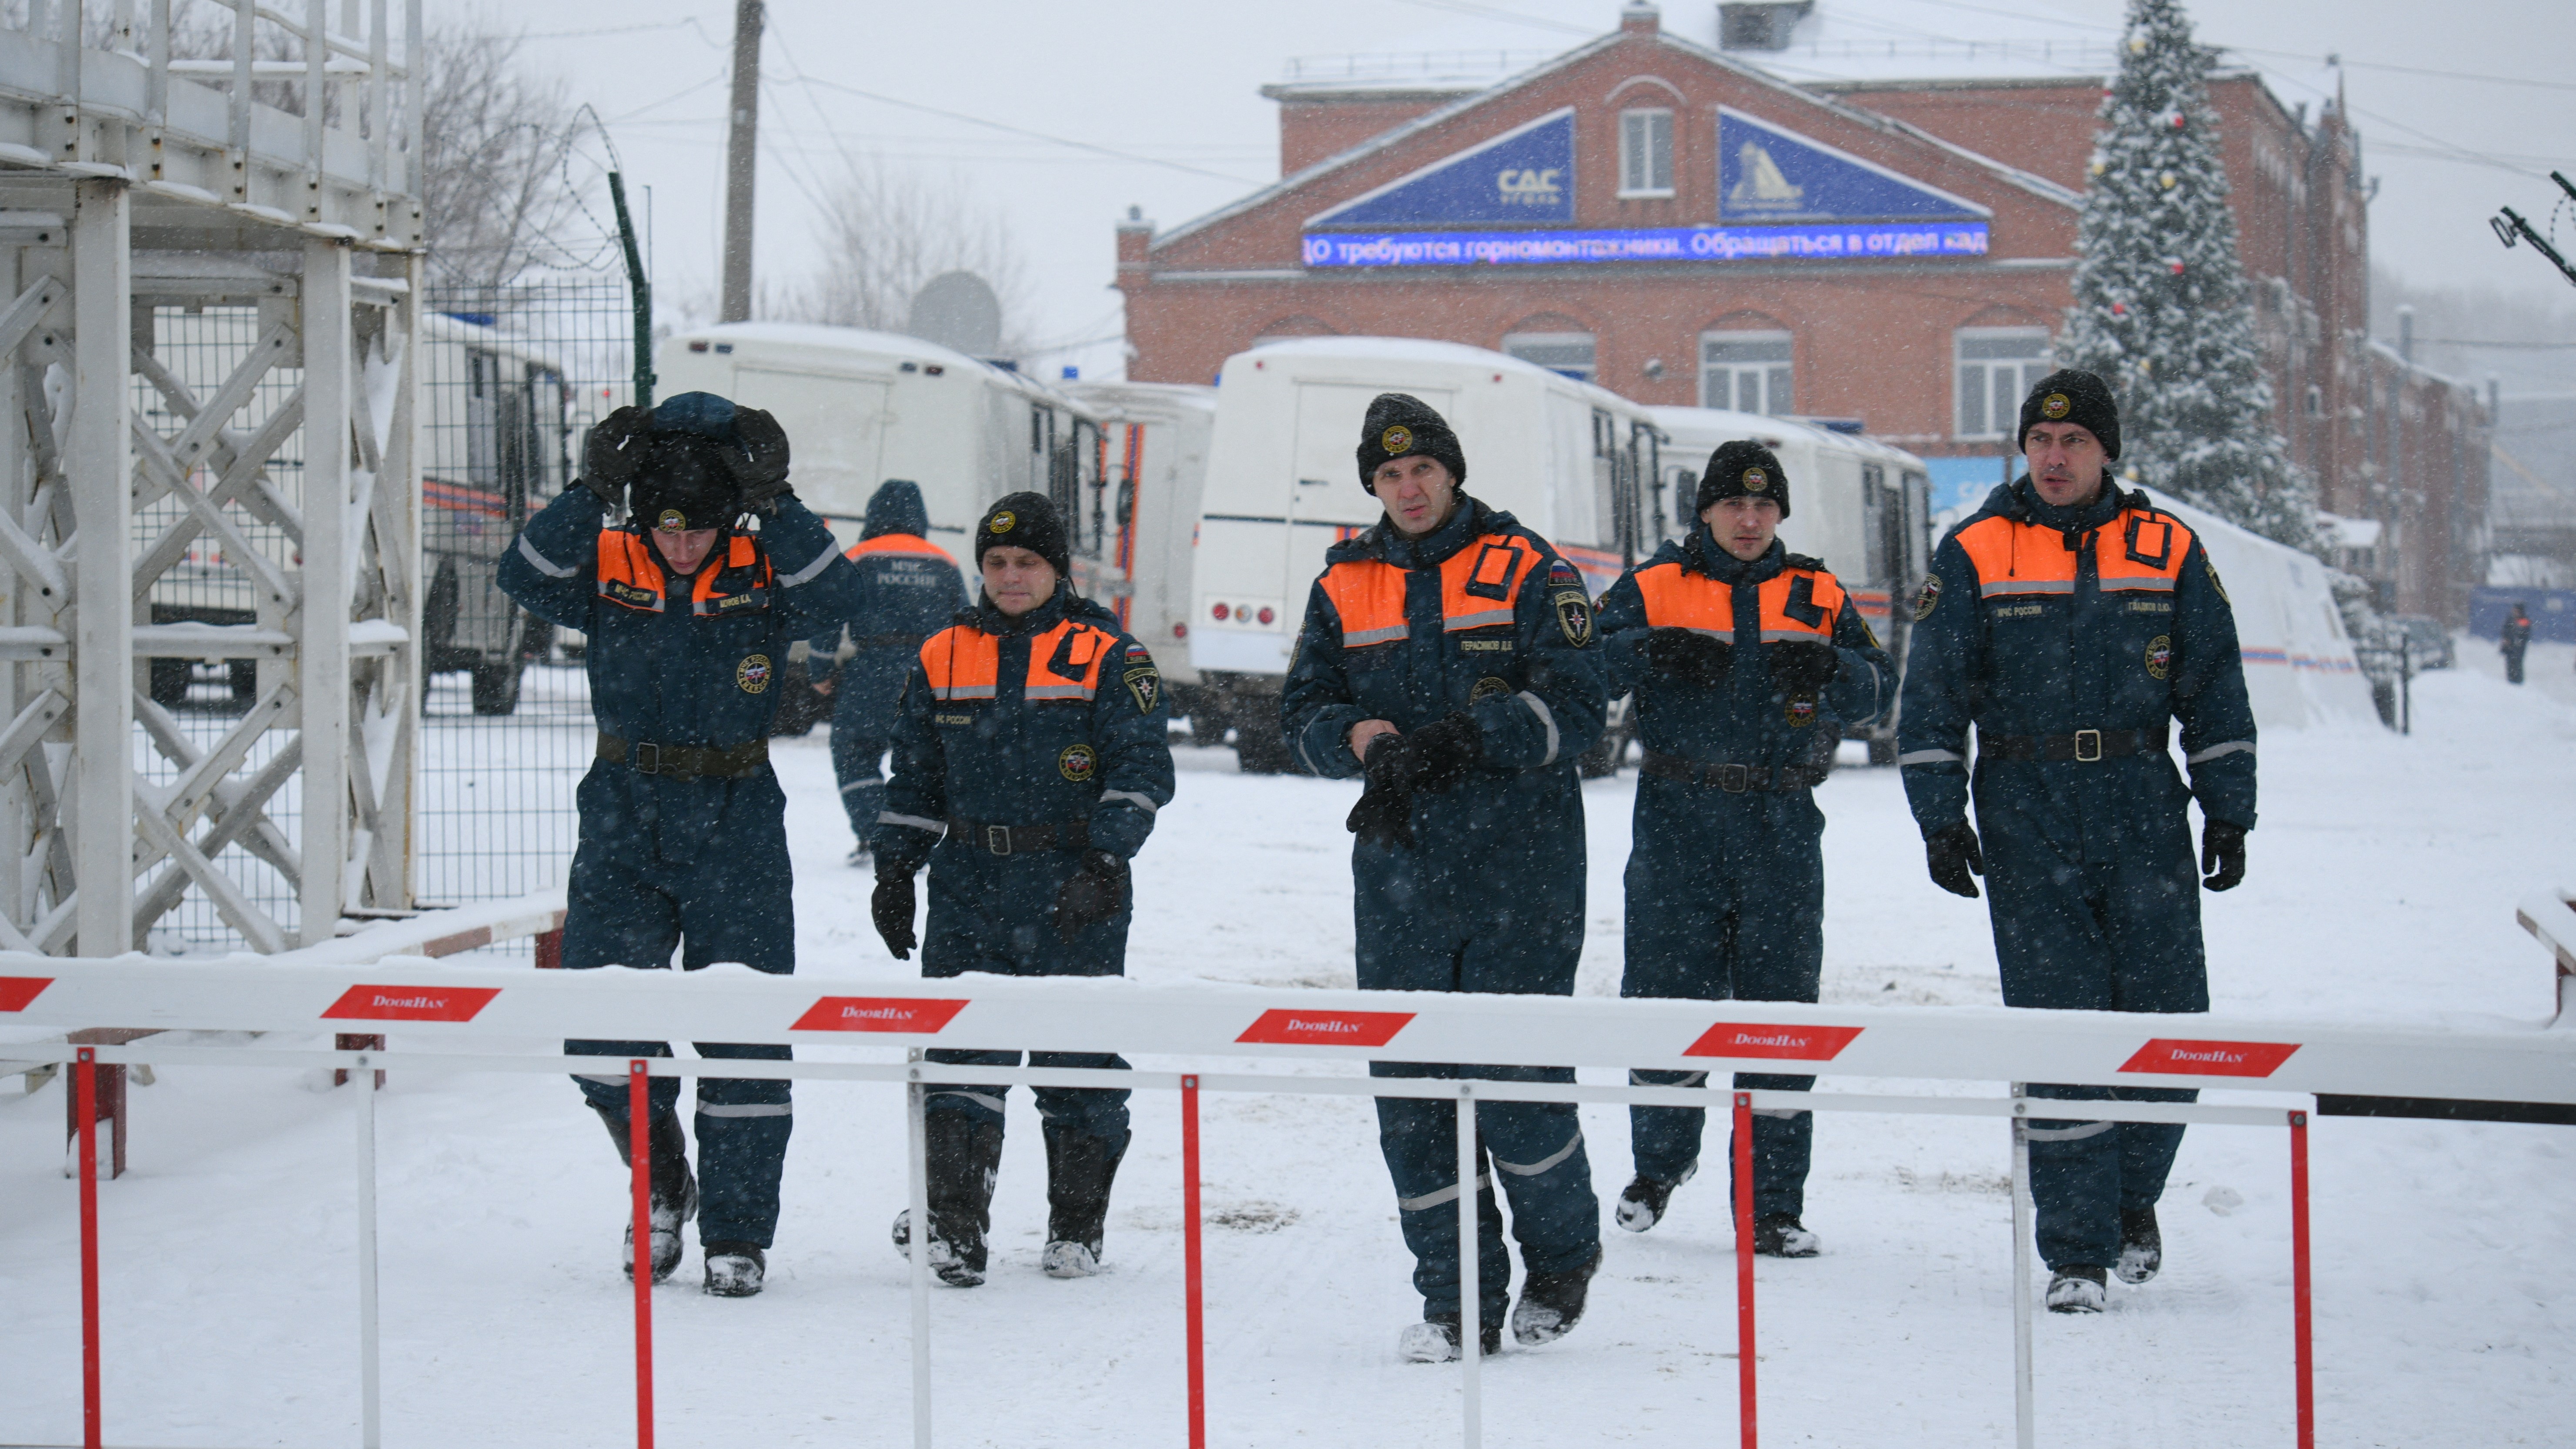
{"type": "Point", "coordinates": [1093, 895]}
{"type": "Point", "coordinates": [2222, 855]}
{"type": "Point", "coordinates": [1953, 855]}
{"type": "Point", "coordinates": [1384, 815]}
{"type": "Point", "coordinates": [759, 466]}
{"type": "Point", "coordinates": [892, 908]}
{"type": "Point", "coordinates": [613, 453]}
{"type": "Point", "coordinates": [1801, 664]}
{"type": "Point", "coordinates": [1444, 753]}
{"type": "Point", "coordinates": [1689, 656]}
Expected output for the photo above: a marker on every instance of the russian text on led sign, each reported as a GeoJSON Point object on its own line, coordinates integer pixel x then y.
{"type": "Point", "coordinates": [1874, 241]}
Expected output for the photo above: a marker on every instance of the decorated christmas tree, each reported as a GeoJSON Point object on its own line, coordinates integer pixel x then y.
{"type": "Point", "coordinates": [2160, 303]}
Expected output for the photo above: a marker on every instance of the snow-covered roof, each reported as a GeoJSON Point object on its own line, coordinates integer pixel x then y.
{"type": "Point", "coordinates": [1425, 352]}
{"type": "Point", "coordinates": [863, 343]}
{"type": "Point", "coordinates": [2350, 532]}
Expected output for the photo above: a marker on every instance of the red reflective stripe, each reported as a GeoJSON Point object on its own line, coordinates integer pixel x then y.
{"type": "Point", "coordinates": [904, 543]}
{"type": "Point", "coordinates": [2014, 557]}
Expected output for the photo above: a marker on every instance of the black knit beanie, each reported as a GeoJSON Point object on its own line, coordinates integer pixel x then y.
{"type": "Point", "coordinates": [683, 483]}
{"type": "Point", "coordinates": [1400, 425]}
{"type": "Point", "coordinates": [1024, 520]}
{"type": "Point", "coordinates": [1743, 469]}
{"type": "Point", "coordinates": [2069, 395]}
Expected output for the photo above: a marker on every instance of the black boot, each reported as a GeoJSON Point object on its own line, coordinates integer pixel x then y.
{"type": "Point", "coordinates": [1781, 1235]}
{"type": "Point", "coordinates": [1552, 1303]}
{"type": "Point", "coordinates": [2142, 1245]}
{"type": "Point", "coordinates": [1435, 1339]}
{"type": "Point", "coordinates": [2079, 1288]}
{"type": "Point", "coordinates": [675, 1192]}
{"type": "Point", "coordinates": [1080, 1168]}
{"type": "Point", "coordinates": [734, 1270]}
{"type": "Point", "coordinates": [965, 1156]}
{"type": "Point", "coordinates": [1647, 1199]}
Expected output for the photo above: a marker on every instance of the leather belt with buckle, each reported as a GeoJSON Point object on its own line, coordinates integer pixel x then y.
{"type": "Point", "coordinates": [684, 762]}
{"type": "Point", "coordinates": [1008, 840]}
{"type": "Point", "coordinates": [2082, 747]}
{"type": "Point", "coordinates": [1733, 779]}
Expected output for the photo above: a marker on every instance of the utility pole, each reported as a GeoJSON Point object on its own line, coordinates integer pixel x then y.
{"type": "Point", "coordinates": [742, 155]}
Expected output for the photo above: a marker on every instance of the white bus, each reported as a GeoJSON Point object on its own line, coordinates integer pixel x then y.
{"type": "Point", "coordinates": [1156, 455]}
{"type": "Point", "coordinates": [1568, 459]}
{"type": "Point", "coordinates": [1856, 503]}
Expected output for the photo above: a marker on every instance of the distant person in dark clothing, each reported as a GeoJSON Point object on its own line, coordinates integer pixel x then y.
{"type": "Point", "coordinates": [2516, 636]}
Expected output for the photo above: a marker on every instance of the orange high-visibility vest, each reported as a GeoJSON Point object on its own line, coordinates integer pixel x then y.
{"type": "Point", "coordinates": [2139, 550]}
{"type": "Point", "coordinates": [1797, 603]}
{"type": "Point", "coordinates": [630, 574]}
{"type": "Point", "coordinates": [897, 543]}
{"type": "Point", "coordinates": [1478, 585]}
{"type": "Point", "coordinates": [964, 662]}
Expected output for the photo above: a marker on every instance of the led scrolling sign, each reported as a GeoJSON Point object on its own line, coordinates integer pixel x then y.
{"type": "Point", "coordinates": [1781, 197]}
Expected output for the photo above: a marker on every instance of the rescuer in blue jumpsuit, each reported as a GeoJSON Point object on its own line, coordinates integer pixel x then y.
{"type": "Point", "coordinates": [1030, 757]}
{"type": "Point", "coordinates": [1447, 654]}
{"type": "Point", "coordinates": [689, 613]}
{"type": "Point", "coordinates": [1746, 660]}
{"type": "Point", "coordinates": [2070, 622]}
{"type": "Point", "coordinates": [909, 588]}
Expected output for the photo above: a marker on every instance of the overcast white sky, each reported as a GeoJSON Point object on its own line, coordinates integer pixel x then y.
{"type": "Point", "coordinates": [1174, 84]}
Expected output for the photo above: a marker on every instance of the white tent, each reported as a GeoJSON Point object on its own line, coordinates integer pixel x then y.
{"type": "Point", "coordinates": [2299, 665]}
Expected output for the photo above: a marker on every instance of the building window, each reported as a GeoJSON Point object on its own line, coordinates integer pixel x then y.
{"type": "Point", "coordinates": [1570, 353]}
{"type": "Point", "coordinates": [1746, 371]}
{"type": "Point", "coordinates": [1645, 153]}
{"type": "Point", "coordinates": [1997, 368]}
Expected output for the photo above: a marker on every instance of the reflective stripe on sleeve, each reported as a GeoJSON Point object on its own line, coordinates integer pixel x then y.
{"type": "Point", "coordinates": [1931, 757]}
{"type": "Point", "coordinates": [821, 562]}
{"type": "Point", "coordinates": [1129, 797]}
{"type": "Point", "coordinates": [912, 822]}
{"type": "Point", "coordinates": [1538, 707]}
{"type": "Point", "coordinates": [2214, 751]}
{"type": "Point", "coordinates": [541, 563]}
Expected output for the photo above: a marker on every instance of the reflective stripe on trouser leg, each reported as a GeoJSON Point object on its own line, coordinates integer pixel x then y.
{"type": "Point", "coordinates": [742, 1126]}
{"type": "Point", "coordinates": [1537, 1150]}
{"type": "Point", "coordinates": [1419, 1137]}
{"type": "Point", "coordinates": [983, 1103]}
{"type": "Point", "coordinates": [1783, 1144]}
{"type": "Point", "coordinates": [607, 1091]}
{"type": "Point", "coordinates": [1665, 1140]}
{"type": "Point", "coordinates": [1094, 1111]}
{"type": "Point", "coordinates": [2082, 1172]}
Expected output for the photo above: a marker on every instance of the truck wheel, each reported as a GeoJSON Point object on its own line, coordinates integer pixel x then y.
{"type": "Point", "coordinates": [1882, 749]}
{"type": "Point", "coordinates": [1259, 750]}
{"type": "Point", "coordinates": [170, 681]}
{"type": "Point", "coordinates": [496, 688]}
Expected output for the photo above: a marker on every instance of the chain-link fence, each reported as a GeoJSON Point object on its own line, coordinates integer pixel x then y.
{"type": "Point", "coordinates": [511, 379]}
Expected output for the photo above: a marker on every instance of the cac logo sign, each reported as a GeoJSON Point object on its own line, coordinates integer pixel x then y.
{"type": "Point", "coordinates": [1529, 185]}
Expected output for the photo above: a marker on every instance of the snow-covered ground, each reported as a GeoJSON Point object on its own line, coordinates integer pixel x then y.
{"type": "Point", "coordinates": [2382, 885]}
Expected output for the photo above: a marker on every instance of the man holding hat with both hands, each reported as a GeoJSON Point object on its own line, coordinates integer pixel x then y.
{"type": "Point", "coordinates": [1447, 654]}
{"type": "Point", "coordinates": [689, 606]}
{"type": "Point", "coordinates": [2071, 623]}
{"type": "Point", "coordinates": [1746, 661]}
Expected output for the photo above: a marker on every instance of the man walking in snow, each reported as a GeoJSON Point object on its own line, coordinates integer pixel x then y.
{"type": "Point", "coordinates": [2071, 623]}
{"type": "Point", "coordinates": [1447, 654]}
{"type": "Point", "coordinates": [1746, 661]}
{"type": "Point", "coordinates": [683, 826]}
{"type": "Point", "coordinates": [908, 590]}
{"type": "Point", "coordinates": [2514, 638]}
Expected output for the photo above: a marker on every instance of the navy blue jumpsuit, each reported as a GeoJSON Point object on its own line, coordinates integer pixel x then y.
{"type": "Point", "coordinates": [2086, 630]}
{"type": "Point", "coordinates": [1726, 886]}
{"type": "Point", "coordinates": [1052, 720]}
{"type": "Point", "coordinates": [698, 862]}
{"type": "Point", "coordinates": [909, 589]}
{"type": "Point", "coordinates": [1480, 616]}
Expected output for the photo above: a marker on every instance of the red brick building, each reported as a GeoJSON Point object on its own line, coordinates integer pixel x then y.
{"type": "Point", "coordinates": [1679, 224]}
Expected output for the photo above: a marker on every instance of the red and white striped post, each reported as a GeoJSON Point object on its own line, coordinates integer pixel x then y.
{"type": "Point", "coordinates": [1191, 1263]}
{"type": "Point", "coordinates": [1744, 1263]}
{"type": "Point", "coordinates": [86, 1089]}
{"type": "Point", "coordinates": [2300, 1317]}
{"type": "Point", "coordinates": [639, 1152]}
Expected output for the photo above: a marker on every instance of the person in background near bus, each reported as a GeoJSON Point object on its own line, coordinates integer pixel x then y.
{"type": "Point", "coordinates": [1746, 661]}
{"type": "Point", "coordinates": [683, 830]}
{"type": "Point", "coordinates": [910, 589]}
{"type": "Point", "coordinates": [1030, 757]}
{"type": "Point", "coordinates": [2514, 638]}
{"type": "Point", "coordinates": [2070, 623]}
{"type": "Point", "coordinates": [1447, 654]}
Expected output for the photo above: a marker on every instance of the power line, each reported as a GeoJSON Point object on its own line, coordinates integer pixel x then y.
{"type": "Point", "coordinates": [1052, 140]}
{"type": "Point", "coordinates": [1495, 12]}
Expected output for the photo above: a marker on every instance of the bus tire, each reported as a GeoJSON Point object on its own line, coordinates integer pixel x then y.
{"type": "Point", "coordinates": [496, 687]}
{"type": "Point", "coordinates": [1260, 750]}
{"type": "Point", "coordinates": [1882, 749]}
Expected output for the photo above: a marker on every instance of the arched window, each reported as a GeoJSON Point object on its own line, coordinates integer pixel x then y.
{"type": "Point", "coordinates": [1556, 342]}
{"type": "Point", "coordinates": [1747, 369]}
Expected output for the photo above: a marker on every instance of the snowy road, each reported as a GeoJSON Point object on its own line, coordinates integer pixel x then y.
{"type": "Point", "coordinates": [2382, 883]}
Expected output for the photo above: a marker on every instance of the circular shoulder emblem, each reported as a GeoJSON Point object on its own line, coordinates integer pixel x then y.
{"type": "Point", "coordinates": [1799, 710]}
{"type": "Point", "coordinates": [1002, 522]}
{"type": "Point", "coordinates": [2159, 656]}
{"type": "Point", "coordinates": [1078, 763]}
{"type": "Point", "coordinates": [1756, 480]}
{"type": "Point", "coordinates": [1396, 441]}
{"type": "Point", "coordinates": [752, 674]}
{"type": "Point", "coordinates": [1489, 687]}
{"type": "Point", "coordinates": [1929, 597]}
{"type": "Point", "coordinates": [2054, 405]}
{"type": "Point", "coordinates": [674, 520]}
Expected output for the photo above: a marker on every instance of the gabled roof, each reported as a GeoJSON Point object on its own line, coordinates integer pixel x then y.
{"type": "Point", "coordinates": [2038, 186]}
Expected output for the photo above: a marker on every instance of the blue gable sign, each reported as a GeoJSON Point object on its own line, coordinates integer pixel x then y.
{"type": "Point", "coordinates": [1767, 174]}
{"type": "Point", "coordinates": [1523, 177]}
